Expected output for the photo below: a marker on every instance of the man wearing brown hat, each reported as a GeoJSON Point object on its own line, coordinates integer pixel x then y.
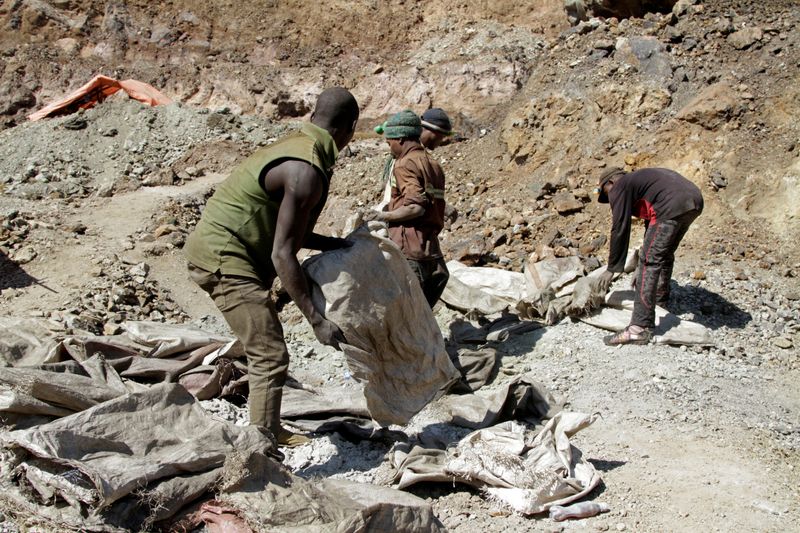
{"type": "Point", "coordinates": [250, 233]}
{"type": "Point", "coordinates": [415, 214]}
{"type": "Point", "coordinates": [668, 203]}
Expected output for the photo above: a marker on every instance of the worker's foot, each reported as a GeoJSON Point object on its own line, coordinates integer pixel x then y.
{"type": "Point", "coordinates": [629, 335]}
{"type": "Point", "coordinates": [291, 439]}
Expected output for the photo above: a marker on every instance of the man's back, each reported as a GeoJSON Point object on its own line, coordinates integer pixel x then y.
{"type": "Point", "coordinates": [655, 194]}
{"type": "Point", "coordinates": [237, 227]}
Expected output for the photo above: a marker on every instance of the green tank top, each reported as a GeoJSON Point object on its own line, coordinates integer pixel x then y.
{"type": "Point", "coordinates": [237, 227]}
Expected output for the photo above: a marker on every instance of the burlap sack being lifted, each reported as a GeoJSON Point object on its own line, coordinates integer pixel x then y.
{"type": "Point", "coordinates": [393, 344]}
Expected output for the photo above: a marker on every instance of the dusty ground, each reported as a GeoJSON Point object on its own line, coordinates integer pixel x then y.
{"type": "Point", "coordinates": [690, 440]}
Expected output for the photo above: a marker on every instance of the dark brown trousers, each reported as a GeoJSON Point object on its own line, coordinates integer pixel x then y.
{"type": "Point", "coordinates": [250, 312]}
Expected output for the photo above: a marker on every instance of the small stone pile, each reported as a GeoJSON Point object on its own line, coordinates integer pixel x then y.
{"type": "Point", "coordinates": [121, 145]}
{"type": "Point", "coordinates": [14, 229]}
{"type": "Point", "coordinates": [120, 291]}
{"type": "Point", "coordinates": [173, 223]}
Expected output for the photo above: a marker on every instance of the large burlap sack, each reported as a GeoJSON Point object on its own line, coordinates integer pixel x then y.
{"type": "Point", "coordinates": [393, 343]}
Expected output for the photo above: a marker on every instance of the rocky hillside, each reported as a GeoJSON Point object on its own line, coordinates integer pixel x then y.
{"type": "Point", "coordinates": [708, 88]}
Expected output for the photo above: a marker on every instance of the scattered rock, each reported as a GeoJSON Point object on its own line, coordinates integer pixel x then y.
{"type": "Point", "coordinates": [746, 37]}
{"type": "Point", "coordinates": [24, 255]}
{"type": "Point", "coordinates": [718, 181]}
{"type": "Point", "coordinates": [164, 229]}
{"type": "Point", "coordinates": [75, 227]}
{"type": "Point", "coordinates": [109, 328]}
{"type": "Point", "coordinates": [141, 269]}
{"type": "Point", "coordinates": [76, 122]}
{"type": "Point", "coordinates": [499, 215]}
{"type": "Point", "coordinates": [566, 203]}
{"type": "Point", "coordinates": [782, 342]}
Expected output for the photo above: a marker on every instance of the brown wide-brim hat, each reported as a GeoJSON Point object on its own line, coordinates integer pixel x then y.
{"type": "Point", "coordinates": [605, 177]}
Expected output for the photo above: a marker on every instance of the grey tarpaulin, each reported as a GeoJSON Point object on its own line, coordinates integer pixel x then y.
{"type": "Point", "coordinates": [552, 274]}
{"type": "Point", "coordinates": [552, 289]}
{"type": "Point", "coordinates": [169, 339]}
{"type": "Point", "coordinates": [121, 449]}
{"type": "Point", "coordinates": [670, 329]}
{"type": "Point", "coordinates": [477, 367]}
{"type": "Point", "coordinates": [525, 470]}
{"type": "Point", "coordinates": [393, 343]}
{"type": "Point", "coordinates": [586, 294]}
{"type": "Point", "coordinates": [522, 398]}
{"type": "Point", "coordinates": [25, 341]}
{"type": "Point", "coordinates": [85, 371]}
{"type": "Point", "coordinates": [499, 330]}
{"type": "Point", "coordinates": [482, 289]}
{"type": "Point", "coordinates": [137, 460]}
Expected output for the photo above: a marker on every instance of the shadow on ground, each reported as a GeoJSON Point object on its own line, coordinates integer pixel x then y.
{"type": "Point", "coordinates": [12, 276]}
{"type": "Point", "coordinates": [709, 308]}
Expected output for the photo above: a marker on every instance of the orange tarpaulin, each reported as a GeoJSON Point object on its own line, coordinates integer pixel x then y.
{"type": "Point", "coordinates": [97, 90]}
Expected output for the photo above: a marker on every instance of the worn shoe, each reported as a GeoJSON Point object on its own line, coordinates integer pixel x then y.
{"type": "Point", "coordinates": [626, 336]}
{"type": "Point", "coordinates": [291, 439]}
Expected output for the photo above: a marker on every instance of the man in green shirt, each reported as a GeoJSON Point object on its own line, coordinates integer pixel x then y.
{"type": "Point", "coordinates": [250, 232]}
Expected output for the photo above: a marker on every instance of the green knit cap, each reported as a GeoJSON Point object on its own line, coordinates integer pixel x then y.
{"type": "Point", "coordinates": [404, 124]}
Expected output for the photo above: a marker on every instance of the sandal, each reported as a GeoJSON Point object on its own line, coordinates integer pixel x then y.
{"type": "Point", "coordinates": [626, 336]}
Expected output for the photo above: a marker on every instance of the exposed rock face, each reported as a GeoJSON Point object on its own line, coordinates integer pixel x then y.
{"type": "Point", "coordinates": [712, 108]}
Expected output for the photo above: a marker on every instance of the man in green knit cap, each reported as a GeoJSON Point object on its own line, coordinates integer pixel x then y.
{"type": "Point", "coordinates": [250, 232]}
{"type": "Point", "coordinates": [436, 127]}
{"type": "Point", "coordinates": [415, 214]}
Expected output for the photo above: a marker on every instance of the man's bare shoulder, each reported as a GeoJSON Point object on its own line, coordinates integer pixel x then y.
{"type": "Point", "coordinates": [292, 171]}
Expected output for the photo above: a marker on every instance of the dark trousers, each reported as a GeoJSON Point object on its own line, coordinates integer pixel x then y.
{"type": "Point", "coordinates": [249, 311]}
{"type": "Point", "coordinates": [432, 275]}
{"type": "Point", "coordinates": [656, 261]}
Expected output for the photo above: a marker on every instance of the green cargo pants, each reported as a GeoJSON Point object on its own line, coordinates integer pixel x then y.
{"type": "Point", "coordinates": [250, 312]}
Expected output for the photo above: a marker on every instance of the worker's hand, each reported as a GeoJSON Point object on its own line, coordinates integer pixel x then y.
{"type": "Point", "coordinates": [635, 278]}
{"type": "Point", "coordinates": [369, 215]}
{"type": "Point", "coordinates": [604, 281]}
{"type": "Point", "coordinates": [329, 333]}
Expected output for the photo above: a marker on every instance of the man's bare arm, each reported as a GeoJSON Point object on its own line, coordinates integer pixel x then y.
{"type": "Point", "coordinates": [302, 190]}
{"type": "Point", "coordinates": [402, 213]}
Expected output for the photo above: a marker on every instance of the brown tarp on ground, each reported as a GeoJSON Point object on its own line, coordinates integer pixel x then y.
{"type": "Point", "coordinates": [127, 460]}
{"type": "Point", "coordinates": [394, 344]}
{"type": "Point", "coordinates": [138, 460]}
{"type": "Point", "coordinates": [98, 89]}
